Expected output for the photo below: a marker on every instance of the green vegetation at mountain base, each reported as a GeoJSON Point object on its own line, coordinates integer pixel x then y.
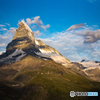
{"type": "Point", "coordinates": [37, 79]}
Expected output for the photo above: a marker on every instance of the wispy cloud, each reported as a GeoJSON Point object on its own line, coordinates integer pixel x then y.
{"type": "Point", "coordinates": [1, 25]}
{"type": "Point", "coordinates": [45, 26]}
{"type": "Point", "coordinates": [12, 30]}
{"type": "Point", "coordinates": [77, 26]}
{"type": "Point", "coordinates": [7, 24]}
{"type": "Point", "coordinates": [3, 29]}
{"type": "Point", "coordinates": [5, 38]}
{"type": "Point", "coordinates": [37, 33]}
{"type": "Point", "coordinates": [2, 45]}
{"type": "Point", "coordinates": [34, 26]}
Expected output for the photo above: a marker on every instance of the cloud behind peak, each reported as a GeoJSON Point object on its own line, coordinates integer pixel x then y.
{"type": "Point", "coordinates": [77, 26]}
{"type": "Point", "coordinates": [92, 36]}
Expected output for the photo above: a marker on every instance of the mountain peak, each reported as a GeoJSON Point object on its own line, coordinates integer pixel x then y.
{"type": "Point", "coordinates": [24, 43]}
{"type": "Point", "coordinates": [23, 31]}
{"type": "Point", "coordinates": [23, 25]}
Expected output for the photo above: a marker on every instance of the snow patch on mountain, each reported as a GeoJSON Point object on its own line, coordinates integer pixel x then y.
{"type": "Point", "coordinates": [48, 51]}
{"type": "Point", "coordinates": [31, 36]}
{"type": "Point", "coordinates": [59, 59]}
{"type": "Point", "coordinates": [54, 56]}
{"type": "Point", "coordinates": [14, 57]}
{"type": "Point", "coordinates": [37, 43]}
{"type": "Point", "coordinates": [90, 64]}
{"type": "Point", "coordinates": [2, 52]}
{"type": "Point", "coordinates": [45, 51]}
{"type": "Point", "coordinates": [89, 68]}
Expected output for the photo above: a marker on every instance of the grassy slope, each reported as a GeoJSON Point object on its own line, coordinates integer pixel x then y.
{"type": "Point", "coordinates": [36, 79]}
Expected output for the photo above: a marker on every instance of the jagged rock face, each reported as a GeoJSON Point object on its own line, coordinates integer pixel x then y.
{"type": "Point", "coordinates": [24, 41]}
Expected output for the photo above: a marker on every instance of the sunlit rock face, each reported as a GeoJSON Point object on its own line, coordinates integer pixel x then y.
{"type": "Point", "coordinates": [24, 43]}
{"type": "Point", "coordinates": [23, 38]}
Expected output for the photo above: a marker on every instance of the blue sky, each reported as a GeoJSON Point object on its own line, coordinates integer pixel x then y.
{"type": "Point", "coordinates": [70, 26]}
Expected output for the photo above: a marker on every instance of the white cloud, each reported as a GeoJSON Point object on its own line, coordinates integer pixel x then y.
{"type": "Point", "coordinates": [2, 25]}
{"type": "Point", "coordinates": [12, 30]}
{"type": "Point", "coordinates": [95, 26]}
{"type": "Point", "coordinates": [2, 45]}
{"type": "Point", "coordinates": [38, 22]}
{"type": "Point", "coordinates": [3, 29]}
{"type": "Point", "coordinates": [37, 33]}
{"type": "Point", "coordinates": [5, 38]}
{"type": "Point", "coordinates": [7, 24]}
{"type": "Point", "coordinates": [91, 36]}
{"type": "Point", "coordinates": [29, 21]}
{"type": "Point", "coordinates": [35, 21]}
{"type": "Point", "coordinates": [34, 26]}
{"type": "Point", "coordinates": [45, 26]}
{"type": "Point", "coordinates": [77, 26]}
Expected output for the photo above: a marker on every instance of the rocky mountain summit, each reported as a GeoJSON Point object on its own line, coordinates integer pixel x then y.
{"type": "Point", "coordinates": [24, 43]}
